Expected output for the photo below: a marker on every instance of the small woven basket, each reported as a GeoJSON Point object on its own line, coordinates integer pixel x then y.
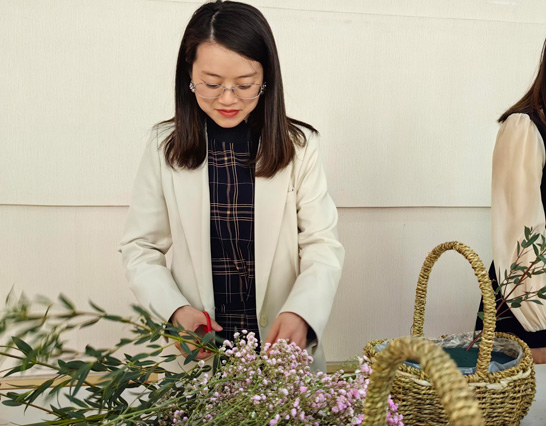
{"type": "Point", "coordinates": [455, 396]}
{"type": "Point", "coordinates": [504, 396]}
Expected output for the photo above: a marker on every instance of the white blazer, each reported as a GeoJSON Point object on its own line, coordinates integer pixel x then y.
{"type": "Point", "coordinates": [298, 258]}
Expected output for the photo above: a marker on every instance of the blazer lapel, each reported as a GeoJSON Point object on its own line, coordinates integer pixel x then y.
{"type": "Point", "coordinates": [192, 198]}
{"type": "Point", "coordinates": [270, 199]}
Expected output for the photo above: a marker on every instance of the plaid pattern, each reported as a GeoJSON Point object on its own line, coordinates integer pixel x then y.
{"type": "Point", "coordinates": [231, 186]}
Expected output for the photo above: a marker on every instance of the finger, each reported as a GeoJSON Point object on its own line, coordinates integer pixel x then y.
{"type": "Point", "coordinates": [216, 326]}
{"type": "Point", "coordinates": [301, 341]}
{"type": "Point", "coordinates": [273, 332]}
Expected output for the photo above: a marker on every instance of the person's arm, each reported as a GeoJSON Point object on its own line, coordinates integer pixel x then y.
{"type": "Point", "coordinates": [307, 309]}
{"type": "Point", "coordinates": [147, 238]}
{"type": "Point", "coordinates": [518, 161]}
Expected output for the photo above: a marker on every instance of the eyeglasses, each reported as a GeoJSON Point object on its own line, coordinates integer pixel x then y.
{"type": "Point", "coordinates": [214, 91]}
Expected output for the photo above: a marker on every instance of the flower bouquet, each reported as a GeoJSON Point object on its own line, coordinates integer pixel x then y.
{"type": "Point", "coordinates": [274, 386]}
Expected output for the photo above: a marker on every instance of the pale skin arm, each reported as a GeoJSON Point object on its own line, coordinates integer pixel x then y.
{"type": "Point", "coordinates": [289, 326]}
{"type": "Point", "coordinates": [194, 320]}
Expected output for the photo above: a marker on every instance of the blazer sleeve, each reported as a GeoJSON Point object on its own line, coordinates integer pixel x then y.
{"type": "Point", "coordinates": [147, 238]}
{"type": "Point", "coordinates": [516, 202]}
{"type": "Point", "coordinates": [321, 254]}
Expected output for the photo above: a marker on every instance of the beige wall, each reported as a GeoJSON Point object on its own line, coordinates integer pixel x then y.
{"type": "Point", "coordinates": [405, 95]}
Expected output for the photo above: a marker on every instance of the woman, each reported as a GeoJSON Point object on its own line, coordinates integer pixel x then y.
{"type": "Point", "coordinates": [518, 200]}
{"type": "Point", "coordinates": [236, 189]}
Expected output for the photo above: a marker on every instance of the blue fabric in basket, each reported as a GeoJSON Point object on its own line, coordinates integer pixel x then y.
{"type": "Point", "coordinates": [506, 353]}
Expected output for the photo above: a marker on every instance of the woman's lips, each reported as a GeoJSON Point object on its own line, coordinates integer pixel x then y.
{"type": "Point", "coordinates": [228, 112]}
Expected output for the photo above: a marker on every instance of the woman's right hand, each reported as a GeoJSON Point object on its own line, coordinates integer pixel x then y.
{"type": "Point", "coordinates": [194, 320]}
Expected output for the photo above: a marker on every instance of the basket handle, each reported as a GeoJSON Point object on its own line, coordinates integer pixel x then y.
{"type": "Point", "coordinates": [455, 395]}
{"type": "Point", "coordinates": [489, 320]}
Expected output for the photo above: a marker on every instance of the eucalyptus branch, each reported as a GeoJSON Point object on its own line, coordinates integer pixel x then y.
{"type": "Point", "coordinates": [536, 267]}
{"type": "Point", "coordinates": [31, 405]}
{"type": "Point", "coordinates": [103, 403]}
{"type": "Point", "coordinates": [521, 279]}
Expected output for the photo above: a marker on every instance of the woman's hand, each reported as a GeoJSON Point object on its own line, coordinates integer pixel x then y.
{"type": "Point", "coordinates": [194, 320]}
{"type": "Point", "coordinates": [289, 326]}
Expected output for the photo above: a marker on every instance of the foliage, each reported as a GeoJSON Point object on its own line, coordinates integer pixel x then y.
{"type": "Point", "coordinates": [274, 386]}
{"type": "Point", "coordinates": [37, 343]}
{"type": "Point", "coordinates": [518, 274]}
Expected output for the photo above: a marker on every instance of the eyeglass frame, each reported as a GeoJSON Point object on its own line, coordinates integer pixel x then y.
{"type": "Point", "coordinates": [224, 88]}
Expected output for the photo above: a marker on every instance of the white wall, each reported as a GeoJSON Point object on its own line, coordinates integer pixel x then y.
{"type": "Point", "coordinates": [405, 94]}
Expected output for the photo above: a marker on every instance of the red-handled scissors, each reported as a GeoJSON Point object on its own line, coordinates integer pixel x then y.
{"type": "Point", "coordinates": [208, 327]}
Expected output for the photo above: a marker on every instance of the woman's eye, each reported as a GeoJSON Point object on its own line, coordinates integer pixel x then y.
{"type": "Point", "coordinates": [244, 86]}
{"type": "Point", "coordinates": [212, 86]}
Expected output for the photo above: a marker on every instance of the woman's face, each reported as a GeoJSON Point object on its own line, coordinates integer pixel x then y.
{"type": "Point", "coordinates": [216, 65]}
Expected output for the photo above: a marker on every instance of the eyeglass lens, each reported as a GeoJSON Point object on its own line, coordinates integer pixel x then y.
{"type": "Point", "coordinates": [247, 91]}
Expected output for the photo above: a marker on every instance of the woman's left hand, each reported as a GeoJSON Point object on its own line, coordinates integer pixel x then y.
{"type": "Point", "coordinates": [289, 326]}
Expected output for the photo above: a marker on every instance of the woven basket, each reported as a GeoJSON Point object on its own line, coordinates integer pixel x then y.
{"type": "Point", "coordinates": [504, 396]}
{"type": "Point", "coordinates": [456, 397]}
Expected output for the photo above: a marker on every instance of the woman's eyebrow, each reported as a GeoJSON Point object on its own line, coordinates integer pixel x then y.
{"type": "Point", "coordinates": [211, 74]}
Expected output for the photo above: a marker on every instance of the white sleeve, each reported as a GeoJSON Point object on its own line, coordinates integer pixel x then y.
{"type": "Point", "coordinates": [147, 238]}
{"type": "Point", "coordinates": [518, 160]}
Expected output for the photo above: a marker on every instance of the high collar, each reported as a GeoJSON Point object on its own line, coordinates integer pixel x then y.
{"type": "Point", "coordinates": [237, 134]}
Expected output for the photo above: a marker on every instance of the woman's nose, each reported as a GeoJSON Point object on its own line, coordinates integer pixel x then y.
{"type": "Point", "coordinates": [228, 97]}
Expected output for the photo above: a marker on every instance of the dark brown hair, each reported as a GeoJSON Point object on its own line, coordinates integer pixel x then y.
{"type": "Point", "coordinates": [243, 29]}
{"type": "Point", "coordinates": [534, 101]}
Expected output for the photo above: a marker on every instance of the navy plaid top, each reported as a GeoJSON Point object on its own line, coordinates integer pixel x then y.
{"type": "Point", "coordinates": [231, 186]}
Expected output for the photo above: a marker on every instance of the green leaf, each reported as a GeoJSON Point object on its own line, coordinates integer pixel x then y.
{"type": "Point", "coordinates": [480, 315]}
{"type": "Point", "coordinates": [66, 302]}
{"type": "Point", "coordinates": [81, 375]}
{"type": "Point", "coordinates": [143, 339]}
{"type": "Point", "coordinates": [11, 403]}
{"type": "Point", "coordinates": [140, 310]}
{"type": "Point", "coordinates": [24, 347]}
{"type": "Point", "coordinates": [535, 249]}
{"type": "Point", "coordinates": [39, 390]}
{"type": "Point", "coordinates": [139, 356]}
{"type": "Point", "coordinates": [96, 307]}
{"type": "Point", "coordinates": [519, 249]}
{"type": "Point", "coordinates": [169, 358]}
{"type": "Point", "coordinates": [207, 338]}
{"type": "Point", "coordinates": [538, 302]}
{"type": "Point", "coordinates": [527, 232]}
{"type": "Point", "coordinates": [185, 347]}
{"type": "Point", "coordinates": [90, 323]}
{"type": "Point", "coordinates": [191, 356]}
{"type": "Point", "coordinates": [115, 318]}
{"type": "Point", "coordinates": [123, 342]}
{"type": "Point", "coordinates": [91, 351]}
{"type": "Point", "coordinates": [13, 370]}
{"type": "Point", "coordinates": [75, 364]}
{"type": "Point", "coordinates": [58, 387]}
{"type": "Point", "coordinates": [77, 401]}
{"type": "Point", "coordinates": [533, 239]}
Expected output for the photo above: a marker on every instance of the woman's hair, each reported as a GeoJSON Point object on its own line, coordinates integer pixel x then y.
{"type": "Point", "coordinates": [534, 101]}
{"type": "Point", "coordinates": [243, 29]}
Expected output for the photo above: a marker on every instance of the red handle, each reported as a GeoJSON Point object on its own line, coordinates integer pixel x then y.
{"type": "Point", "coordinates": [208, 327]}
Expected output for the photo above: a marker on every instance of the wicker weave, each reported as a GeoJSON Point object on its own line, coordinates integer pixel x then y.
{"type": "Point", "coordinates": [504, 396]}
{"type": "Point", "coordinates": [455, 395]}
